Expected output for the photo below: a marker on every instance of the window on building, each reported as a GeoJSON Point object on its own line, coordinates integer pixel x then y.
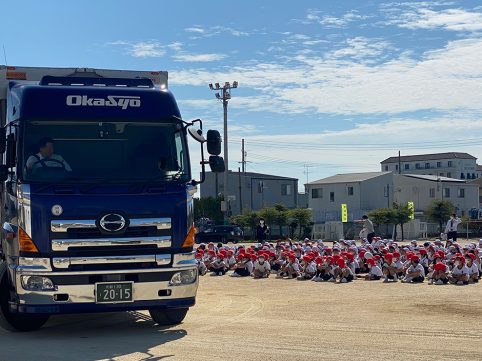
{"type": "Point", "coordinates": [386, 168]}
{"type": "Point", "coordinates": [286, 189]}
{"type": "Point", "coordinates": [449, 163]}
{"type": "Point", "coordinates": [439, 164]}
{"type": "Point", "coordinates": [473, 175]}
{"type": "Point", "coordinates": [432, 192]}
{"type": "Point", "coordinates": [461, 193]}
{"type": "Point", "coordinates": [468, 175]}
{"type": "Point", "coordinates": [447, 192]}
{"type": "Point", "coordinates": [407, 166]}
{"type": "Point", "coordinates": [462, 176]}
{"type": "Point", "coordinates": [350, 191]}
{"type": "Point", "coordinates": [317, 193]}
{"type": "Point", "coordinates": [417, 165]}
{"type": "Point", "coordinates": [396, 166]}
{"type": "Point", "coordinates": [442, 174]}
{"type": "Point", "coordinates": [449, 174]}
{"type": "Point", "coordinates": [427, 165]}
{"type": "Point", "coordinates": [332, 196]}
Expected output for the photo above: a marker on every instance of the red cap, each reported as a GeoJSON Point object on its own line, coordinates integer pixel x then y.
{"type": "Point", "coordinates": [341, 263]}
{"type": "Point", "coordinates": [371, 261]}
{"type": "Point", "coordinates": [439, 266]}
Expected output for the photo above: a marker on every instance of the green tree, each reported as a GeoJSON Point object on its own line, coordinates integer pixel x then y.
{"type": "Point", "coordinates": [300, 216]}
{"type": "Point", "coordinates": [381, 216]}
{"type": "Point", "coordinates": [439, 211]}
{"type": "Point", "coordinates": [401, 215]}
{"type": "Point", "coordinates": [208, 207]}
{"type": "Point", "coordinates": [281, 218]}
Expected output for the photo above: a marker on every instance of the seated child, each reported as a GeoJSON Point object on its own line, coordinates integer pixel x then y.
{"type": "Point", "coordinates": [308, 268]}
{"type": "Point", "coordinates": [473, 268]}
{"type": "Point", "coordinates": [375, 272]}
{"type": "Point", "coordinates": [439, 275]}
{"type": "Point", "coordinates": [262, 268]}
{"type": "Point", "coordinates": [415, 272]}
{"type": "Point", "coordinates": [218, 267]}
{"type": "Point", "coordinates": [343, 273]}
{"type": "Point", "coordinates": [460, 272]}
{"type": "Point", "coordinates": [244, 267]}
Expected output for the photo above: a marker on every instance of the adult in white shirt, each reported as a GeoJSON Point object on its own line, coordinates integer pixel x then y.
{"type": "Point", "coordinates": [46, 158]}
{"type": "Point", "coordinates": [451, 227]}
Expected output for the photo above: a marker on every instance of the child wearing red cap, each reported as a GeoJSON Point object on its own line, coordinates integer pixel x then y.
{"type": "Point", "coordinates": [308, 268]}
{"type": "Point", "coordinates": [244, 266]}
{"type": "Point", "coordinates": [218, 266]}
{"type": "Point", "coordinates": [292, 269]}
{"type": "Point", "coordinates": [439, 275]}
{"type": "Point", "coordinates": [460, 273]}
{"type": "Point", "coordinates": [262, 268]}
{"type": "Point", "coordinates": [473, 268]}
{"type": "Point", "coordinates": [230, 260]}
{"type": "Point", "coordinates": [324, 269]}
{"type": "Point", "coordinates": [201, 266]}
{"type": "Point", "coordinates": [375, 272]}
{"type": "Point", "coordinates": [343, 273]}
{"type": "Point", "coordinates": [415, 273]}
{"type": "Point", "coordinates": [389, 269]}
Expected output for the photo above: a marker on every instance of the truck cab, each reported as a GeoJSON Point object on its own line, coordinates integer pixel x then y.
{"type": "Point", "coordinates": [97, 198]}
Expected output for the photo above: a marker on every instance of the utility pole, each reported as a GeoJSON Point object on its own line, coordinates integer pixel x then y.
{"type": "Point", "coordinates": [307, 171]}
{"type": "Point", "coordinates": [399, 163]}
{"type": "Point", "coordinates": [224, 94]}
{"type": "Point", "coordinates": [243, 156]}
{"type": "Point", "coordinates": [240, 193]}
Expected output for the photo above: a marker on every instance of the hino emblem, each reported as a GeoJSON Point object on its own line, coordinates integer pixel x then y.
{"type": "Point", "coordinates": [123, 102]}
{"type": "Point", "coordinates": [112, 222]}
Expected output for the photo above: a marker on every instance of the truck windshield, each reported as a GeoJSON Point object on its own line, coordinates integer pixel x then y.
{"type": "Point", "coordinates": [80, 151]}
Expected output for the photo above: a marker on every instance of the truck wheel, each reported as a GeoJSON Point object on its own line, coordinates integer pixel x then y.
{"type": "Point", "coordinates": [15, 321]}
{"type": "Point", "coordinates": [168, 317]}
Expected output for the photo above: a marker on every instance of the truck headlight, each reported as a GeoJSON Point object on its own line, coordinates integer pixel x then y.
{"type": "Point", "coordinates": [37, 283]}
{"type": "Point", "coordinates": [183, 278]}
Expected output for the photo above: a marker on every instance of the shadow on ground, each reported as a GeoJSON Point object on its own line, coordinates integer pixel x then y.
{"type": "Point", "coordinates": [91, 337]}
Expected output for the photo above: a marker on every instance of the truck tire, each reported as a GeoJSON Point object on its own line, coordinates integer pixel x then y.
{"type": "Point", "coordinates": [168, 317]}
{"type": "Point", "coordinates": [15, 322]}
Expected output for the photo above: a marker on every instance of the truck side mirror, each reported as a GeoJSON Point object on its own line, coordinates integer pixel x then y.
{"type": "Point", "coordinates": [3, 140]}
{"type": "Point", "coordinates": [11, 150]}
{"type": "Point", "coordinates": [217, 164]}
{"type": "Point", "coordinates": [3, 173]}
{"type": "Point", "coordinates": [214, 142]}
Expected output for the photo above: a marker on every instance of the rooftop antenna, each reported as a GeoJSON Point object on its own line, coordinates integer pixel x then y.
{"type": "Point", "coordinates": [5, 55]}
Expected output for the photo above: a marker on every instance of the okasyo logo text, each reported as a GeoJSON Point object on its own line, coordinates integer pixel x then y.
{"type": "Point", "coordinates": [123, 102]}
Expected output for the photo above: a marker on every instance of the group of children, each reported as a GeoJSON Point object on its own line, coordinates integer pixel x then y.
{"type": "Point", "coordinates": [346, 261]}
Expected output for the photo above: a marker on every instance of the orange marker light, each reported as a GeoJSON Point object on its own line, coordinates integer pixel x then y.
{"type": "Point", "coordinates": [25, 242]}
{"type": "Point", "coordinates": [189, 240]}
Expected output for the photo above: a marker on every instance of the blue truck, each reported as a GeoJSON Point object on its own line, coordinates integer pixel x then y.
{"type": "Point", "coordinates": [97, 195]}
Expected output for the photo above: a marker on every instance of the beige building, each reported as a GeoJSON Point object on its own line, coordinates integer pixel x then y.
{"type": "Point", "coordinates": [363, 192]}
{"type": "Point", "coordinates": [451, 165]}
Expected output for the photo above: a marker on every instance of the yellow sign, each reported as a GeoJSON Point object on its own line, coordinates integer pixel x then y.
{"type": "Point", "coordinates": [344, 213]}
{"type": "Point", "coordinates": [411, 208]}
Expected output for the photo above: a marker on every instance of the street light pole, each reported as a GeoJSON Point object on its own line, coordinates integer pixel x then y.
{"type": "Point", "coordinates": [224, 94]}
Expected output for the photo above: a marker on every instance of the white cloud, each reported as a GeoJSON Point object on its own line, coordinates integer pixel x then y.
{"type": "Point", "coordinates": [143, 49]}
{"type": "Point", "coordinates": [445, 79]}
{"type": "Point", "coordinates": [427, 18]}
{"type": "Point", "coordinates": [330, 21]}
{"type": "Point", "coordinates": [202, 32]}
{"type": "Point", "coordinates": [195, 29]}
{"type": "Point", "coordinates": [184, 57]}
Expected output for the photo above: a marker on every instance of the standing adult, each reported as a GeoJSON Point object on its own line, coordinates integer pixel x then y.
{"type": "Point", "coordinates": [367, 228]}
{"type": "Point", "coordinates": [451, 227]}
{"type": "Point", "coordinates": [262, 231]}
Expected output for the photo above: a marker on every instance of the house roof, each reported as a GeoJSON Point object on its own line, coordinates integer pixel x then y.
{"type": "Point", "coordinates": [260, 175]}
{"type": "Point", "coordinates": [434, 178]}
{"type": "Point", "coordinates": [435, 156]}
{"type": "Point", "coordinates": [349, 178]}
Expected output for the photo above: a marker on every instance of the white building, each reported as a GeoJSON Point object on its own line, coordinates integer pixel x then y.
{"type": "Point", "coordinates": [450, 165]}
{"type": "Point", "coordinates": [364, 192]}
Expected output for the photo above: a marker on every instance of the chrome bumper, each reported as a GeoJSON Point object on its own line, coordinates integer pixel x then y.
{"type": "Point", "coordinates": [142, 291]}
{"type": "Point", "coordinates": [31, 264]}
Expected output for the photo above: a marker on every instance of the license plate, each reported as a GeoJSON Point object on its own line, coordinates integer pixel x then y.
{"type": "Point", "coordinates": [113, 292]}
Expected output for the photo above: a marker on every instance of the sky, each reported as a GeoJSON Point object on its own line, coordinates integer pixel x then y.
{"type": "Point", "coordinates": [325, 87]}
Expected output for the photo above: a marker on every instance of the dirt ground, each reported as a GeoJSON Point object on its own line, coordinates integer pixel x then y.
{"type": "Point", "coordinates": [271, 319]}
